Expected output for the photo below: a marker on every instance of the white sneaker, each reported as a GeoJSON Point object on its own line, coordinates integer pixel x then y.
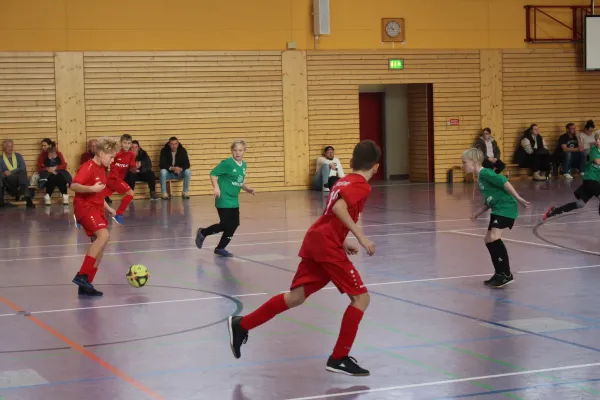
{"type": "Point", "coordinates": [47, 199]}
{"type": "Point", "coordinates": [65, 199]}
{"type": "Point", "coordinates": [538, 177]}
{"type": "Point", "coordinates": [568, 176]}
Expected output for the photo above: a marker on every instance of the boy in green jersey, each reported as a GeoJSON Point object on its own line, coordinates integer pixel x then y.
{"type": "Point", "coordinates": [228, 180]}
{"type": "Point", "coordinates": [590, 186]}
{"type": "Point", "coordinates": [502, 198]}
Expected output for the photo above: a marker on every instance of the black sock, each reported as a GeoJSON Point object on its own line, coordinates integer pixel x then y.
{"type": "Point", "coordinates": [499, 256]}
{"type": "Point", "coordinates": [566, 208]}
{"type": "Point", "coordinates": [492, 248]}
{"type": "Point", "coordinates": [225, 239]}
{"type": "Point", "coordinates": [211, 230]}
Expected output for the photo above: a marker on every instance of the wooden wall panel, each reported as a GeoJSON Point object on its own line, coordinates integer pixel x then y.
{"type": "Point", "coordinates": [492, 111]}
{"type": "Point", "coordinates": [547, 87]}
{"type": "Point", "coordinates": [27, 102]}
{"type": "Point", "coordinates": [418, 122]}
{"type": "Point", "coordinates": [206, 99]}
{"type": "Point", "coordinates": [334, 78]}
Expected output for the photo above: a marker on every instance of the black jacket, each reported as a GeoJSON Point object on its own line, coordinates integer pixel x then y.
{"type": "Point", "coordinates": [144, 158]}
{"type": "Point", "coordinates": [480, 144]}
{"type": "Point", "coordinates": [521, 156]}
{"type": "Point", "coordinates": [181, 158]}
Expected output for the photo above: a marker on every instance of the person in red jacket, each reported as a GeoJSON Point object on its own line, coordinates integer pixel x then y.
{"type": "Point", "coordinates": [124, 161]}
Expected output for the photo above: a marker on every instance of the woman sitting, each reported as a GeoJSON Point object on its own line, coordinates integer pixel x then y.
{"type": "Point", "coordinates": [532, 153]}
{"type": "Point", "coordinates": [53, 173]}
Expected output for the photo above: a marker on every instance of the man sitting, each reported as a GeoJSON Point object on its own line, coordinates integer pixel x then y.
{"type": "Point", "coordinates": [329, 170]}
{"type": "Point", "coordinates": [90, 153]}
{"type": "Point", "coordinates": [143, 172]}
{"type": "Point", "coordinates": [174, 164]}
{"type": "Point", "coordinates": [14, 175]}
{"type": "Point", "coordinates": [568, 151]}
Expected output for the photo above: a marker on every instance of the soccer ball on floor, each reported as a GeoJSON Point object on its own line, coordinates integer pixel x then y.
{"type": "Point", "coordinates": [137, 275]}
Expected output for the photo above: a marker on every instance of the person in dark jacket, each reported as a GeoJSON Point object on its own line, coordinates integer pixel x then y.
{"type": "Point", "coordinates": [143, 171]}
{"type": "Point", "coordinates": [491, 152]}
{"type": "Point", "coordinates": [174, 164]}
{"type": "Point", "coordinates": [533, 153]}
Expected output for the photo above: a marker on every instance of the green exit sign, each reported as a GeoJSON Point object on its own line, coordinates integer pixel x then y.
{"type": "Point", "coordinates": [395, 64]}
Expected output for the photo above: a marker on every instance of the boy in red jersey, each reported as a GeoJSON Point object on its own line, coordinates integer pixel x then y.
{"type": "Point", "coordinates": [324, 259]}
{"type": "Point", "coordinates": [89, 206]}
{"type": "Point", "coordinates": [124, 161]}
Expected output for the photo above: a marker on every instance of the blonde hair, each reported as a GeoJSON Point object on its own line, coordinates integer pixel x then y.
{"type": "Point", "coordinates": [107, 145]}
{"type": "Point", "coordinates": [474, 155]}
{"type": "Point", "coordinates": [596, 135]}
{"type": "Point", "coordinates": [236, 142]}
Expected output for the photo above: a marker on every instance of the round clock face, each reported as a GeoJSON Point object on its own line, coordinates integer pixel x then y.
{"type": "Point", "coordinates": [392, 28]}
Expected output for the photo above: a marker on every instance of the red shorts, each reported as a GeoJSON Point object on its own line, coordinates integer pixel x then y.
{"type": "Point", "coordinates": [115, 185]}
{"type": "Point", "coordinates": [91, 219]}
{"type": "Point", "coordinates": [318, 274]}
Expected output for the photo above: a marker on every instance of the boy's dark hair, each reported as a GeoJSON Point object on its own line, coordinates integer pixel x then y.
{"type": "Point", "coordinates": [135, 142]}
{"type": "Point", "coordinates": [570, 124]}
{"type": "Point", "coordinates": [488, 130]}
{"type": "Point", "coordinates": [365, 155]}
{"type": "Point", "coordinates": [173, 138]}
{"type": "Point", "coordinates": [126, 137]}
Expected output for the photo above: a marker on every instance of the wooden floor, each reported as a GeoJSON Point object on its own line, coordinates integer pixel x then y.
{"type": "Point", "coordinates": [432, 331]}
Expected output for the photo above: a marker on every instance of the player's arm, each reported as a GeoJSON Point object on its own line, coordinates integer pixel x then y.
{"type": "Point", "coordinates": [478, 213]}
{"type": "Point", "coordinates": [247, 188]}
{"type": "Point", "coordinates": [510, 189]}
{"type": "Point", "coordinates": [340, 209]}
{"type": "Point", "coordinates": [109, 209]}
{"type": "Point", "coordinates": [79, 188]}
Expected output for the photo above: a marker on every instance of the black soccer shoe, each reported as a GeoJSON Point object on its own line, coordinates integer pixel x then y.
{"type": "Point", "coordinates": [82, 281]}
{"type": "Point", "coordinates": [346, 365]}
{"type": "Point", "coordinates": [549, 214]}
{"type": "Point", "coordinates": [91, 293]}
{"type": "Point", "coordinates": [199, 238]}
{"type": "Point", "coordinates": [237, 335]}
{"type": "Point", "coordinates": [501, 280]}
{"type": "Point", "coordinates": [487, 283]}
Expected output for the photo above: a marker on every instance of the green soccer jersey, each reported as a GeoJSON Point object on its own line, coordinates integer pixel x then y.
{"type": "Point", "coordinates": [231, 177]}
{"type": "Point", "coordinates": [592, 170]}
{"type": "Point", "coordinates": [491, 186]}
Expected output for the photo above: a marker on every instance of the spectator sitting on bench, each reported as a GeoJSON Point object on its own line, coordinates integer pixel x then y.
{"type": "Point", "coordinates": [532, 153]}
{"type": "Point", "coordinates": [143, 172]}
{"type": "Point", "coordinates": [53, 173]}
{"type": "Point", "coordinates": [174, 164]}
{"type": "Point", "coordinates": [568, 152]}
{"type": "Point", "coordinates": [586, 141]}
{"type": "Point", "coordinates": [329, 170]}
{"type": "Point", "coordinates": [90, 153]}
{"type": "Point", "coordinates": [491, 152]}
{"type": "Point", "coordinates": [13, 175]}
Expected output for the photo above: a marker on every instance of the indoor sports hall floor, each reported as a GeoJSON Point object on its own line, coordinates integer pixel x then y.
{"type": "Point", "coordinates": [433, 331]}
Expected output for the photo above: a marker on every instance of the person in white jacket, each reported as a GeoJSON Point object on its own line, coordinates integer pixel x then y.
{"type": "Point", "coordinates": [329, 170]}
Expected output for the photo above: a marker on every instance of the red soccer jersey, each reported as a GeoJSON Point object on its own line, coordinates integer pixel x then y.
{"type": "Point", "coordinates": [124, 161]}
{"type": "Point", "coordinates": [325, 238]}
{"type": "Point", "coordinates": [88, 174]}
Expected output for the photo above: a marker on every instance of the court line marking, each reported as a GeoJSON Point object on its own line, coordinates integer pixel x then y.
{"type": "Point", "coordinates": [460, 232]}
{"type": "Point", "coordinates": [260, 233]}
{"type": "Point", "coordinates": [137, 304]}
{"type": "Point", "coordinates": [285, 291]}
{"type": "Point", "coordinates": [448, 381]}
{"type": "Point", "coordinates": [82, 350]}
{"type": "Point", "coordinates": [277, 242]}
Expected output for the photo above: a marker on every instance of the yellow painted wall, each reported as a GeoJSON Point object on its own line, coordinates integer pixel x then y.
{"type": "Point", "coordinates": [79, 25]}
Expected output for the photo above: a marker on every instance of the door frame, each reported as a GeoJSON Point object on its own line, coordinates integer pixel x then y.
{"type": "Point", "coordinates": [430, 133]}
{"type": "Point", "coordinates": [382, 163]}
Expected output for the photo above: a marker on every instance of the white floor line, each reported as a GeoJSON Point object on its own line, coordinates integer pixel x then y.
{"type": "Point", "coordinates": [285, 291]}
{"type": "Point", "coordinates": [457, 231]}
{"type": "Point", "coordinates": [449, 381]}
{"type": "Point", "coordinates": [138, 304]}
{"type": "Point", "coordinates": [85, 243]}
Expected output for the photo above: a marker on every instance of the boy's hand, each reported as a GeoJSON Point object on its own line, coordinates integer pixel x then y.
{"type": "Point", "coordinates": [368, 245]}
{"type": "Point", "coordinates": [217, 192]}
{"type": "Point", "coordinates": [250, 190]}
{"type": "Point", "coordinates": [474, 217]}
{"type": "Point", "coordinates": [523, 202]}
{"type": "Point", "coordinates": [111, 211]}
{"type": "Point", "coordinates": [350, 248]}
{"type": "Point", "coordinates": [98, 187]}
